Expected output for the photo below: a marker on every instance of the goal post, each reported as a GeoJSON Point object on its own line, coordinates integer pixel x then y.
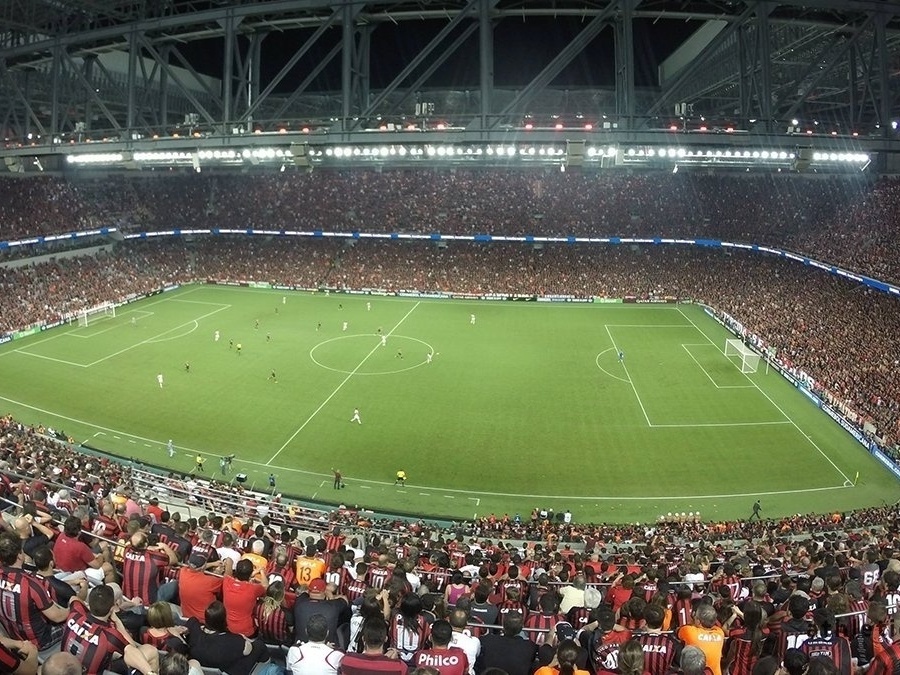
{"type": "Point", "coordinates": [736, 349]}
{"type": "Point", "coordinates": [88, 316]}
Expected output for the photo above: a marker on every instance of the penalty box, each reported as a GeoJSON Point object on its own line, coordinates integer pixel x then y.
{"type": "Point", "coordinates": [680, 378]}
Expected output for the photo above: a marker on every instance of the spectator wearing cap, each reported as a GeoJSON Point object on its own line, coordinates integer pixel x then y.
{"type": "Point", "coordinates": [320, 598]}
{"type": "Point", "coordinates": [197, 589]}
{"type": "Point", "coordinates": [509, 650]}
{"type": "Point", "coordinates": [240, 591]}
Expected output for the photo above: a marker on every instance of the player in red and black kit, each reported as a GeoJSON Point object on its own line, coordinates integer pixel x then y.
{"type": "Point", "coordinates": [661, 650]}
{"type": "Point", "coordinates": [94, 635]}
{"type": "Point", "coordinates": [826, 642]}
{"type": "Point", "coordinates": [143, 568]}
{"type": "Point", "coordinates": [27, 610]}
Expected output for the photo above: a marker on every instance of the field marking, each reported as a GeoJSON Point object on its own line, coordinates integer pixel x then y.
{"type": "Point", "coordinates": [368, 335]}
{"type": "Point", "coordinates": [777, 407]}
{"type": "Point", "coordinates": [196, 323]}
{"type": "Point", "coordinates": [705, 372]}
{"type": "Point", "coordinates": [74, 328]}
{"type": "Point", "coordinates": [340, 386]}
{"type": "Point", "coordinates": [630, 381]}
{"type": "Point", "coordinates": [155, 337]}
{"type": "Point", "coordinates": [360, 482]}
{"type": "Point", "coordinates": [719, 424]}
{"type": "Point", "coordinates": [597, 361]}
{"type": "Point", "coordinates": [201, 302]}
{"type": "Point", "coordinates": [115, 326]}
{"type": "Point", "coordinates": [49, 358]}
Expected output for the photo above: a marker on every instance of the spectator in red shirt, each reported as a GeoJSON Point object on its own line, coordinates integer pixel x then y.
{"type": "Point", "coordinates": [73, 555]}
{"type": "Point", "coordinates": [197, 589]}
{"type": "Point", "coordinates": [239, 595]}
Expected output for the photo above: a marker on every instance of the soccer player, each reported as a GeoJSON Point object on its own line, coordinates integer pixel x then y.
{"type": "Point", "coordinates": [187, 366]}
{"type": "Point", "coordinates": [621, 356]}
{"type": "Point", "coordinates": [384, 340]}
{"type": "Point", "coordinates": [338, 479]}
{"type": "Point", "coordinates": [216, 336]}
{"type": "Point", "coordinates": [268, 337]}
{"type": "Point", "coordinates": [318, 326]}
{"type": "Point", "coordinates": [272, 480]}
{"type": "Point", "coordinates": [239, 348]}
{"type": "Point", "coordinates": [472, 319]}
{"type": "Point", "coordinates": [159, 379]}
{"type": "Point", "coordinates": [256, 325]}
{"type": "Point", "coordinates": [344, 327]}
{"type": "Point", "coordinates": [283, 299]}
{"type": "Point", "coordinates": [171, 448]}
{"type": "Point", "coordinates": [199, 460]}
{"type": "Point", "coordinates": [428, 357]}
{"type": "Point", "coordinates": [355, 417]}
{"type": "Point", "coordinates": [401, 478]}
{"type": "Point", "coordinates": [133, 321]}
{"type": "Point", "coordinates": [368, 306]}
{"type": "Point", "coordinates": [231, 344]}
{"type": "Point", "coordinates": [399, 354]}
{"type": "Point", "coordinates": [272, 377]}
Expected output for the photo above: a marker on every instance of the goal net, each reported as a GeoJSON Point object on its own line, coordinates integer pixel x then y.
{"type": "Point", "coordinates": [92, 314]}
{"type": "Point", "coordinates": [735, 350]}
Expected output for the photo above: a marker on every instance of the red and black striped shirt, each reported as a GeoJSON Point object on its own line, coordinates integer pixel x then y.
{"type": "Point", "coordinates": [355, 589]}
{"type": "Point", "coordinates": [23, 599]}
{"type": "Point", "coordinates": [274, 627]}
{"type": "Point", "coordinates": [142, 570]}
{"type": "Point", "coordinates": [92, 640]}
{"type": "Point", "coordinates": [743, 652]}
{"type": "Point", "coordinates": [543, 623]}
{"type": "Point", "coordinates": [661, 651]}
{"type": "Point", "coordinates": [833, 646]}
{"type": "Point", "coordinates": [340, 578]}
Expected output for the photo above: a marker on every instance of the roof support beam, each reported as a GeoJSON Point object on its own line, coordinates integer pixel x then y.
{"type": "Point", "coordinates": [835, 56]}
{"type": "Point", "coordinates": [671, 90]}
{"type": "Point", "coordinates": [88, 87]}
{"type": "Point", "coordinates": [551, 70]}
{"type": "Point", "coordinates": [466, 12]}
{"type": "Point", "coordinates": [21, 98]}
{"type": "Point", "coordinates": [188, 94]}
{"type": "Point", "coordinates": [485, 62]}
{"type": "Point", "coordinates": [313, 74]}
{"type": "Point", "coordinates": [295, 58]}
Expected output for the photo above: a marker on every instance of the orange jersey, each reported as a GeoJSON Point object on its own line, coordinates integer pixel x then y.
{"type": "Point", "coordinates": [709, 640]}
{"type": "Point", "coordinates": [308, 569]}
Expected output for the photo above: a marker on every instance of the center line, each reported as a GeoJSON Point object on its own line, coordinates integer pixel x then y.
{"type": "Point", "coordinates": [346, 379]}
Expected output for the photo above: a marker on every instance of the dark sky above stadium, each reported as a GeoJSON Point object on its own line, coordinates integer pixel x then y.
{"type": "Point", "coordinates": [522, 49]}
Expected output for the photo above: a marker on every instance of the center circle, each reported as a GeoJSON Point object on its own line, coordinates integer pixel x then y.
{"type": "Point", "coordinates": [363, 354]}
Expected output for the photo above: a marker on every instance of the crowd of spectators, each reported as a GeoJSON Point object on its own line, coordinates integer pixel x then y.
{"type": "Point", "coordinates": [245, 592]}
{"type": "Point", "coordinates": [848, 220]}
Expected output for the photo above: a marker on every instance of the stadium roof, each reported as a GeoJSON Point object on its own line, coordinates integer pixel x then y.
{"type": "Point", "coordinates": [78, 70]}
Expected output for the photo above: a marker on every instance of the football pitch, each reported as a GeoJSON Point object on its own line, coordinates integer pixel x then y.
{"type": "Point", "coordinates": [528, 406]}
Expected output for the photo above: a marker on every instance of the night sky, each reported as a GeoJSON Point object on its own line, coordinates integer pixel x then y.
{"type": "Point", "coordinates": [522, 49]}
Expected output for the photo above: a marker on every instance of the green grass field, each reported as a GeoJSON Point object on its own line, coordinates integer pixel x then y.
{"type": "Point", "coordinates": [528, 407]}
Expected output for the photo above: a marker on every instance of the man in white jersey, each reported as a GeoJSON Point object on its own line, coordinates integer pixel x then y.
{"type": "Point", "coordinates": [355, 417]}
{"type": "Point", "coordinates": [159, 379]}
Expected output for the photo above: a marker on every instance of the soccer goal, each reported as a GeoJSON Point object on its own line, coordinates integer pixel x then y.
{"type": "Point", "coordinates": [92, 314]}
{"type": "Point", "coordinates": [735, 349]}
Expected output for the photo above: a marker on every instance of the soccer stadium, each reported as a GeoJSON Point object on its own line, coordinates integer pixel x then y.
{"type": "Point", "coordinates": [362, 337]}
